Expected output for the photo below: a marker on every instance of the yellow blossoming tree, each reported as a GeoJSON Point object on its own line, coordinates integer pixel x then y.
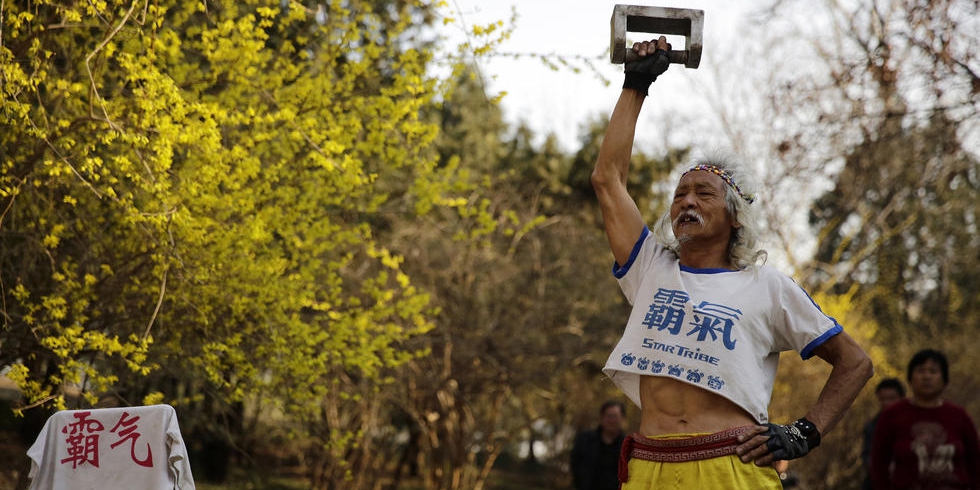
{"type": "Point", "coordinates": [192, 194]}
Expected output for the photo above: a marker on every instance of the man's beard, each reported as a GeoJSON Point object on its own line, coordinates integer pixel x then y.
{"type": "Point", "coordinates": [684, 215]}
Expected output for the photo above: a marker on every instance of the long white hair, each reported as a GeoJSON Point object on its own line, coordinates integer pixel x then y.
{"type": "Point", "coordinates": [743, 248]}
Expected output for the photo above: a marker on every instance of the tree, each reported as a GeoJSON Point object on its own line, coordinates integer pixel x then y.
{"type": "Point", "coordinates": [895, 101]}
{"type": "Point", "coordinates": [459, 399]}
{"type": "Point", "coordinates": [884, 124]}
{"type": "Point", "coordinates": [192, 194]}
{"type": "Point", "coordinates": [522, 323]}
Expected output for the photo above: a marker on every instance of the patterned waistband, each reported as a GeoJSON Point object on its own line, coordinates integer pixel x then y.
{"type": "Point", "coordinates": [678, 450]}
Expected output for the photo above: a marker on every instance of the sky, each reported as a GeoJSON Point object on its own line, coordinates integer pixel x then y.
{"type": "Point", "coordinates": [561, 102]}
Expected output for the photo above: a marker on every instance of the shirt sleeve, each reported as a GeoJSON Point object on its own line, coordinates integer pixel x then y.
{"type": "Point", "coordinates": [804, 326]}
{"type": "Point", "coordinates": [631, 274]}
{"type": "Point", "coordinates": [971, 449]}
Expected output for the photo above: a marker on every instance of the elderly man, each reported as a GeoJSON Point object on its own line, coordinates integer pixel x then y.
{"type": "Point", "coordinates": [701, 346]}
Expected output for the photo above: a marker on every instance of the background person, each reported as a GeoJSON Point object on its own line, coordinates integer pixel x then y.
{"type": "Point", "coordinates": [595, 453]}
{"type": "Point", "coordinates": [888, 391]}
{"type": "Point", "coordinates": [925, 442]}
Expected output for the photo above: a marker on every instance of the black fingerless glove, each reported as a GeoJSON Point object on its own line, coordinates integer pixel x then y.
{"type": "Point", "coordinates": [792, 441]}
{"type": "Point", "coordinates": [642, 72]}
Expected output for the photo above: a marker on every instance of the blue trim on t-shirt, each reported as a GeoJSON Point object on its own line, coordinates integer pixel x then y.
{"type": "Point", "coordinates": [808, 350]}
{"type": "Point", "coordinates": [817, 342]}
{"type": "Point", "coordinates": [620, 271]}
{"type": "Point", "coordinates": [710, 270]}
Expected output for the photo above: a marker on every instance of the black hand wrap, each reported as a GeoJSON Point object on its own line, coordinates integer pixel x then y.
{"type": "Point", "coordinates": [792, 441]}
{"type": "Point", "coordinates": [642, 72]}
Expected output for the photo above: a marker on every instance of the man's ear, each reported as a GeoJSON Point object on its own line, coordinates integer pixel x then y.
{"type": "Point", "coordinates": [734, 216]}
{"type": "Point", "coordinates": [736, 225]}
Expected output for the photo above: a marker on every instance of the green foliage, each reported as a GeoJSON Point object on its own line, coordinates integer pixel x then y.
{"type": "Point", "coordinates": [192, 189]}
{"type": "Point", "coordinates": [198, 201]}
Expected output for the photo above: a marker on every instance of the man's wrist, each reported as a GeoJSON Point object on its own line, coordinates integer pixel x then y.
{"type": "Point", "coordinates": [640, 82]}
{"type": "Point", "coordinates": [809, 431]}
{"type": "Point", "coordinates": [642, 73]}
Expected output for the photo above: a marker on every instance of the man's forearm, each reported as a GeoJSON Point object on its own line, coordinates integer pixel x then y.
{"type": "Point", "coordinates": [852, 370]}
{"type": "Point", "coordinates": [617, 144]}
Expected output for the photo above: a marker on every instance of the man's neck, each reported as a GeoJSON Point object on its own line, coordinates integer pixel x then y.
{"type": "Point", "coordinates": [927, 402]}
{"type": "Point", "coordinates": [699, 256]}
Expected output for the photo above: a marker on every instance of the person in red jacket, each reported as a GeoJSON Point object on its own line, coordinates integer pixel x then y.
{"type": "Point", "coordinates": [925, 442]}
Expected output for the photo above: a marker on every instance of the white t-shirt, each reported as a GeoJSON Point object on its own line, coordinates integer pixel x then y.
{"type": "Point", "coordinates": [717, 329]}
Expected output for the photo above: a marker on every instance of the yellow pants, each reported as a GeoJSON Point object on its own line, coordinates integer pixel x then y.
{"type": "Point", "coordinates": [722, 473]}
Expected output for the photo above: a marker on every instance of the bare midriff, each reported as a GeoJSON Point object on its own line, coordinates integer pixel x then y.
{"type": "Point", "coordinates": [674, 407]}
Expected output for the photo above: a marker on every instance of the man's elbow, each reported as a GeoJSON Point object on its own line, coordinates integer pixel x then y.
{"type": "Point", "coordinates": [604, 178]}
{"type": "Point", "coordinates": [845, 354]}
{"type": "Point", "coordinates": [599, 179]}
{"type": "Point", "coordinates": [863, 366]}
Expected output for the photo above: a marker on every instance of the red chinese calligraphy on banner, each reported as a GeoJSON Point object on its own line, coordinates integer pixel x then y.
{"type": "Point", "coordinates": [82, 439]}
{"type": "Point", "coordinates": [129, 432]}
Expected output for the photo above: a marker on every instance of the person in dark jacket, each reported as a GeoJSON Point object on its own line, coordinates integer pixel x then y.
{"type": "Point", "coordinates": [595, 453]}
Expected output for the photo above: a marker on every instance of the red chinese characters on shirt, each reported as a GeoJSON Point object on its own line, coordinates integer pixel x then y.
{"type": "Point", "coordinates": [82, 439]}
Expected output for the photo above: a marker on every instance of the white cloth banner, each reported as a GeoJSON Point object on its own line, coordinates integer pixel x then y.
{"type": "Point", "coordinates": [125, 448]}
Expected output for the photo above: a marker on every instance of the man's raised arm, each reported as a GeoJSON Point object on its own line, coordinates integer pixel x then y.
{"type": "Point", "coordinates": [622, 219]}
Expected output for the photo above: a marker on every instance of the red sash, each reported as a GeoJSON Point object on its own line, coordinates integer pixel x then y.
{"type": "Point", "coordinates": [678, 450]}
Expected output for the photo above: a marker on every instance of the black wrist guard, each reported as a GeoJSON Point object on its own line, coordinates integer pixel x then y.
{"type": "Point", "coordinates": [809, 431]}
{"type": "Point", "coordinates": [792, 441]}
{"type": "Point", "coordinates": [642, 72]}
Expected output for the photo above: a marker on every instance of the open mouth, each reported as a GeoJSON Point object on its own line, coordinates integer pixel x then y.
{"type": "Point", "coordinates": [688, 218]}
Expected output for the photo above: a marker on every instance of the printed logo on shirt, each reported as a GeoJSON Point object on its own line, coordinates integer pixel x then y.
{"type": "Point", "coordinates": [680, 351]}
{"type": "Point", "coordinates": [656, 366]}
{"type": "Point", "coordinates": [711, 321]}
{"type": "Point", "coordinates": [934, 452]}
